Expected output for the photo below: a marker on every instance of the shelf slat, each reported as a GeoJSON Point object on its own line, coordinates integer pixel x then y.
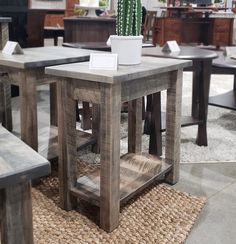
{"type": "Point", "coordinates": [136, 173]}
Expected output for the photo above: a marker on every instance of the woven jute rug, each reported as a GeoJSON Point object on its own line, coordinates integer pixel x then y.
{"type": "Point", "coordinates": [159, 215]}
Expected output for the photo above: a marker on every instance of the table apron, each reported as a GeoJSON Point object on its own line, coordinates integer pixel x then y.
{"type": "Point", "coordinates": [89, 91]}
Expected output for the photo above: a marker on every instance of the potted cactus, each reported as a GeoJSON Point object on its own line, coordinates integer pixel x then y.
{"type": "Point", "coordinates": [128, 41]}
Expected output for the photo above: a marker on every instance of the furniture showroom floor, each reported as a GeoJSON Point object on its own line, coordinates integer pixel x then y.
{"type": "Point", "coordinates": [215, 181]}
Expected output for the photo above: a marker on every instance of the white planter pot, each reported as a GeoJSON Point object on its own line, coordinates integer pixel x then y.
{"type": "Point", "coordinates": [128, 48]}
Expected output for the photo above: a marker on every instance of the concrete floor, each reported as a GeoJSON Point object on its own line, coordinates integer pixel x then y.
{"type": "Point", "coordinates": [216, 181]}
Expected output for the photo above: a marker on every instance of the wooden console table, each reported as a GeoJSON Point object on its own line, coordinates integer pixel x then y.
{"type": "Point", "coordinates": [209, 31]}
{"type": "Point", "coordinates": [85, 29]}
{"type": "Point", "coordinates": [118, 179]}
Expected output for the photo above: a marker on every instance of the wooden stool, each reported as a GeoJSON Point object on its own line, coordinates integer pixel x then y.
{"type": "Point", "coordinates": [19, 164]}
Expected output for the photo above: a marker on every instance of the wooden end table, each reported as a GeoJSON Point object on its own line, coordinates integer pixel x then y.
{"type": "Point", "coordinates": [27, 72]}
{"type": "Point", "coordinates": [117, 181]}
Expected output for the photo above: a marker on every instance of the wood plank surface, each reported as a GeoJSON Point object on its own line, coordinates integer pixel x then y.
{"type": "Point", "coordinates": [19, 162]}
{"type": "Point", "coordinates": [136, 171]}
{"type": "Point", "coordinates": [44, 56]}
{"type": "Point", "coordinates": [148, 67]}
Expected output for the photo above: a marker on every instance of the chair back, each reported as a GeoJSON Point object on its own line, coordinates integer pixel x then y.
{"type": "Point", "coordinates": [148, 24]}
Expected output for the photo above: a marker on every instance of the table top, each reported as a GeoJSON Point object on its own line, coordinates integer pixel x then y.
{"type": "Point", "coordinates": [5, 19]}
{"type": "Point", "coordinates": [148, 67]}
{"type": "Point", "coordinates": [193, 53]}
{"type": "Point", "coordinates": [224, 61]}
{"type": "Point", "coordinates": [44, 56]}
{"type": "Point", "coordinates": [18, 161]}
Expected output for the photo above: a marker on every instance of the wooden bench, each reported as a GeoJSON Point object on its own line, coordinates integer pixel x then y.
{"type": "Point", "coordinates": [19, 164]}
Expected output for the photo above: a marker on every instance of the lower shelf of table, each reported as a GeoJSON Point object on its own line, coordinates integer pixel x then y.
{"type": "Point", "coordinates": [225, 100]}
{"type": "Point", "coordinates": [136, 173]}
{"type": "Point", "coordinates": [185, 121]}
{"type": "Point", "coordinates": [48, 141]}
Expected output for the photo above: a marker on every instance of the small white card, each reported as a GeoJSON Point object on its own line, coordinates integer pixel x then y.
{"type": "Point", "coordinates": [12, 48]}
{"type": "Point", "coordinates": [103, 61]}
{"type": "Point", "coordinates": [230, 51]}
{"type": "Point", "coordinates": [171, 46]}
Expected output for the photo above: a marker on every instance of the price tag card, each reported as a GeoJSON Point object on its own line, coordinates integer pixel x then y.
{"type": "Point", "coordinates": [230, 51]}
{"type": "Point", "coordinates": [12, 48]}
{"type": "Point", "coordinates": [103, 61]}
{"type": "Point", "coordinates": [171, 46]}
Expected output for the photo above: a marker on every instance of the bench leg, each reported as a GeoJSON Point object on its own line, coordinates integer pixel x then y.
{"type": "Point", "coordinates": [16, 214]}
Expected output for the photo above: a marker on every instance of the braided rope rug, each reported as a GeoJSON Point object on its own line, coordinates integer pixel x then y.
{"type": "Point", "coordinates": [159, 215]}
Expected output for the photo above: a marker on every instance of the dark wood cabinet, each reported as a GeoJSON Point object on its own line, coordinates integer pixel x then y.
{"type": "Point", "coordinates": [209, 31]}
{"type": "Point", "coordinates": [83, 29]}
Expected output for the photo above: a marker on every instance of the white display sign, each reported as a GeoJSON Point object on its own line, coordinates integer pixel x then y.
{"type": "Point", "coordinates": [12, 48]}
{"type": "Point", "coordinates": [171, 46]}
{"type": "Point", "coordinates": [103, 61]}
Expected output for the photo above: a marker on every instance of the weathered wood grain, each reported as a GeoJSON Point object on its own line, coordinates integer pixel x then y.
{"type": "Point", "coordinates": [5, 96]}
{"type": "Point", "coordinates": [45, 56]}
{"type": "Point", "coordinates": [110, 156]}
{"type": "Point", "coordinates": [19, 164]}
{"type": "Point", "coordinates": [18, 161]}
{"type": "Point", "coordinates": [16, 214]}
{"type": "Point", "coordinates": [67, 143]}
{"type": "Point", "coordinates": [173, 125]}
{"type": "Point", "coordinates": [148, 67]}
{"type": "Point", "coordinates": [5, 105]}
{"type": "Point", "coordinates": [135, 171]}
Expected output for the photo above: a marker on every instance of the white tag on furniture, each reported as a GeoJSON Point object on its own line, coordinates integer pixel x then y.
{"type": "Point", "coordinates": [12, 48]}
{"type": "Point", "coordinates": [171, 46]}
{"type": "Point", "coordinates": [103, 61]}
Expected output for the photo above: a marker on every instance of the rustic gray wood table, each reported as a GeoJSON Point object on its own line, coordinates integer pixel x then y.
{"type": "Point", "coordinates": [5, 90]}
{"type": "Point", "coordinates": [27, 71]}
{"type": "Point", "coordinates": [118, 179]}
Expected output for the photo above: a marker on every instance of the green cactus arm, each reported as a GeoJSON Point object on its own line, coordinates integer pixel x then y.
{"type": "Point", "coordinates": [129, 17]}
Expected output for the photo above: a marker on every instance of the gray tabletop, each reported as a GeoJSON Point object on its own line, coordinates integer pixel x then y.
{"type": "Point", "coordinates": [5, 19]}
{"type": "Point", "coordinates": [18, 160]}
{"type": "Point", "coordinates": [193, 53]}
{"type": "Point", "coordinates": [149, 66]}
{"type": "Point", "coordinates": [224, 61]}
{"type": "Point", "coordinates": [44, 56]}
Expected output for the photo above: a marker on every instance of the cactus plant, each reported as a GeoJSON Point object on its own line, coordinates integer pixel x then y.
{"type": "Point", "coordinates": [129, 18]}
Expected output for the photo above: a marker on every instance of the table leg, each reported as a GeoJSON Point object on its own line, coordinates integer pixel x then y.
{"type": "Point", "coordinates": [86, 120]}
{"type": "Point", "coordinates": [173, 125]}
{"type": "Point", "coordinates": [110, 156]}
{"type": "Point", "coordinates": [66, 143]}
{"type": "Point", "coordinates": [53, 103]}
{"type": "Point", "coordinates": [135, 126]}
{"type": "Point", "coordinates": [96, 126]}
{"type": "Point", "coordinates": [5, 106]}
{"type": "Point", "coordinates": [204, 86]}
{"type": "Point", "coordinates": [28, 109]}
{"type": "Point", "coordinates": [16, 214]}
{"type": "Point", "coordinates": [155, 143]}
{"type": "Point", "coordinates": [4, 34]}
